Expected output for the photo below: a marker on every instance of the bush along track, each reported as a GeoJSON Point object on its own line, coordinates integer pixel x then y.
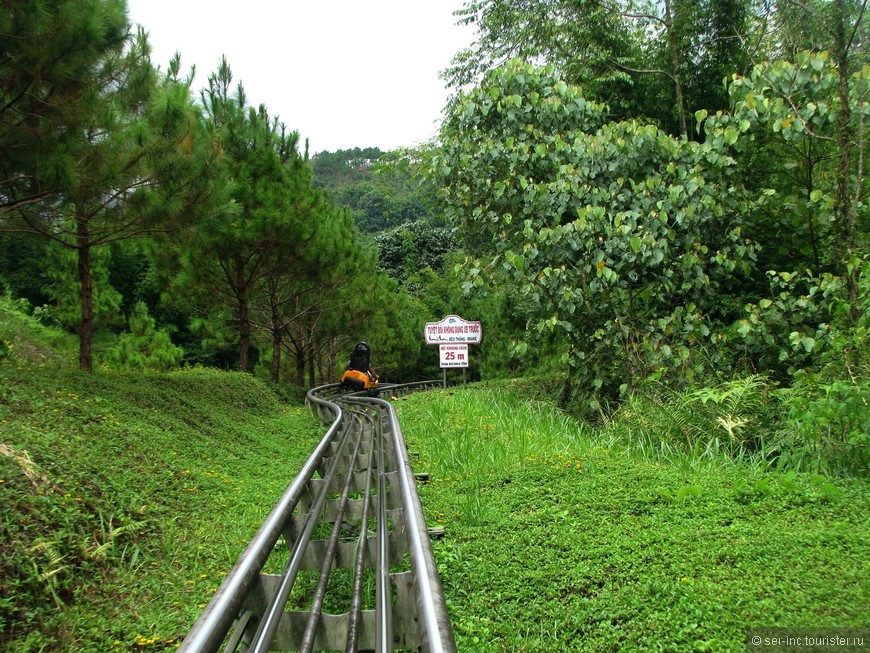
{"type": "Point", "coordinates": [556, 540]}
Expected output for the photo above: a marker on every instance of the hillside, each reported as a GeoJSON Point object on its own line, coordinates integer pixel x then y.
{"type": "Point", "coordinates": [561, 537]}
{"type": "Point", "coordinates": [127, 497]}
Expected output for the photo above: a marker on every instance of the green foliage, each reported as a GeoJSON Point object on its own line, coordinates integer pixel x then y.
{"type": "Point", "coordinates": [22, 266]}
{"type": "Point", "coordinates": [388, 319]}
{"type": "Point", "coordinates": [827, 429]}
{"type": "Point", "coordinates": [125, 498]}
{"type": "Point", "coordinates": [334, 170]}
{"type": "Point", "coordinates": [811, 325]}
{"type": "Point", "coordinates": [44, 116]}
{"type": "Point", "coordinates": [134, 270]}
{"type": "Point", "coordinates": [788, 330]}
{"type": "Point", "coordinates": [26, 338]}
{"type": "Point", "coordinates": [411, 247]}
{"type": "Point", "coordinates": [730, 420]}
{"type": "Point", "coordinates": [144, 347]}
{"type": "Point", "coordinates": [793, 113]}
{"type": "Point", "coordinates": [491, 430]}
{"type": "Point", "coordinates": [828, 406]}
{"type": "Point", "coordinates": [269, 214]}
{"type": "Point", "coordinates": [64, 288]}
{"type": "Point", "coordinates": [645, 61]}
{"type": "Point", "coordinates": [374, 185]}
{"type": "Point", "coordinates": [616, 235]}
{"type": "Point", "coordinates": [569, 537]}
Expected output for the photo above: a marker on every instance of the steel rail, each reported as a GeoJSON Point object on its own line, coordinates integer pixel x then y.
{"type": "Point", "coordinates": [363, 450]}
{"type": "Point", "coordinates": [355, 620]}
{"type": "Point", "coordinates": [269, 625]}
{"type": "Point", "coordinates": [431, 608]}
{"type": "Point", "coordinates": [209, 631]}
{"type": "Point", "coordinates": [384, 632]}
{"type": "Point", "coordinates": [328, 558]}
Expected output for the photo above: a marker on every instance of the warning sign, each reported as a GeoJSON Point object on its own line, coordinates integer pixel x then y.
{"type": "Point", "coordinates": [453, 329]}
{"type": "Point", "coordinates": [453, 355]}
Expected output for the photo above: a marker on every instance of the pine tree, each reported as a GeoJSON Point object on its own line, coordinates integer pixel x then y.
{"type": "Point", "coordinates": [117, 153]}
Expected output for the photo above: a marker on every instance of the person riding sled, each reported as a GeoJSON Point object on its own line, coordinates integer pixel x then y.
{"type": "Point", "coordinates": [359, 372]}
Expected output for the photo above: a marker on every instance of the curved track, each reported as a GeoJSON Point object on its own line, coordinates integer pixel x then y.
{"type": "Point", "coordinates": [343, 562]}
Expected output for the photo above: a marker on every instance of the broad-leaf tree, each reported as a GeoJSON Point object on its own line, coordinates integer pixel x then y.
{"type": "Point", "coordinates": [616, 234]}
{"type": "Point", "coordinates": [800, 113]}
{"type": "Point", "coordinates": [815, 232]}
{"type": "Point", "coordinates": [659, 60]}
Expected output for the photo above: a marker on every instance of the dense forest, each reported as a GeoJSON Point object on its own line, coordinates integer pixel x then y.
{"type": "Point", "coordinates": [634, 198]}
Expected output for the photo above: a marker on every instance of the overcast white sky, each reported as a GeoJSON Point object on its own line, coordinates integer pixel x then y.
{"type": "Point", "coordinates": [343, 73]}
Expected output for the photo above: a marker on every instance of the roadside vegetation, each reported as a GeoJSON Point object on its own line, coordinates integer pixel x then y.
{"type": "Point", "coordinates": [127, 496]}
{"type": "Point", "coordinates": [560, 536]}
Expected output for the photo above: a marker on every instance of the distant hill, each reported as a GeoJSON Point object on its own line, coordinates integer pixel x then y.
{"type": "Point", "coordinates": [379, 196]}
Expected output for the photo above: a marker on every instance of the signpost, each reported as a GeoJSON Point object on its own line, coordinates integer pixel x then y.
{"type": "Point", "coordinates": [453, 335]}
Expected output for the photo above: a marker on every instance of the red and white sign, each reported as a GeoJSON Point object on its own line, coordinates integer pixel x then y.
{"type": "Point", "coordinates": [453, 355]}
{"type": "Point", "coordinates": [453, 329]}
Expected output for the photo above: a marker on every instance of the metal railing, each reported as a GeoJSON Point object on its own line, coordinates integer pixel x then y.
{"type": "Point", "coordinates": [357, 572]}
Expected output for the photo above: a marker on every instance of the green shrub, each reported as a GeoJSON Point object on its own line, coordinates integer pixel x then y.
{"type": "Point", "coordinates": [144, 347]}
{"type": "Point", "coordinates": [828, 427]}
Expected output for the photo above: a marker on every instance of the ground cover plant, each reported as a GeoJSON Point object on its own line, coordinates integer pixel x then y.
{"type": "Point", "coordinates": [557, 537]}
{"type": "Point", "coordinates": [126, 498]}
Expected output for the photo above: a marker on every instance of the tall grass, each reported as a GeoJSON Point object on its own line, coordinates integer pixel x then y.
{"type": "Point", "coordinates": [492, 429]}
{"type": "Point", "coordinates": [745, 420]}
{"type": "Point", "coordinates": [480, 434]}
{"type": "Point", "coordinates": [721, 424]}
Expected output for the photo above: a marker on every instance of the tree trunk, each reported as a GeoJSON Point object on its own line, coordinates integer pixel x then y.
{"type": "Point", "coordinates": [277, 338]}
{"type": "Point", "coordinates": [332, 361]}
{"type": "Point", "coordinates": [843, 214]}
{"type": "Point", "coordinates": [300, 353]}
{"type": "Point", "coordinates": [300, 367]}
{"type": "Point", "coordinates": [675, 65]}
{"type": "Point", "coordinates": [326, 362]}
{"type": "Point", "coordinates": [86, 325]}
{"type": "Point", "coordinates": [244, 319]}
{"type": "Point", "coordinates": [312, 381]}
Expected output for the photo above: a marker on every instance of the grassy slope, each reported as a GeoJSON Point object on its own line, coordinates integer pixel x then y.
{"type": "Point", "coordinates": [137, 493]}
{"type": "Point", "coordinates": [555, 542]}
{"type": "Point", "coordinates": [126, 498]}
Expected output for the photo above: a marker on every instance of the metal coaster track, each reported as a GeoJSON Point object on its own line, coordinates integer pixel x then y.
{"type": "Point", "coordinates": [351, 540]}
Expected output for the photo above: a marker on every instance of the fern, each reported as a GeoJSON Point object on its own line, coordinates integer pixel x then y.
{"type": "Point", "coordinates": [48, 564]}
{"type": "Point", "coordinates": [110, 535]}
{"type": "Point", "coordinates": [727, 419]}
